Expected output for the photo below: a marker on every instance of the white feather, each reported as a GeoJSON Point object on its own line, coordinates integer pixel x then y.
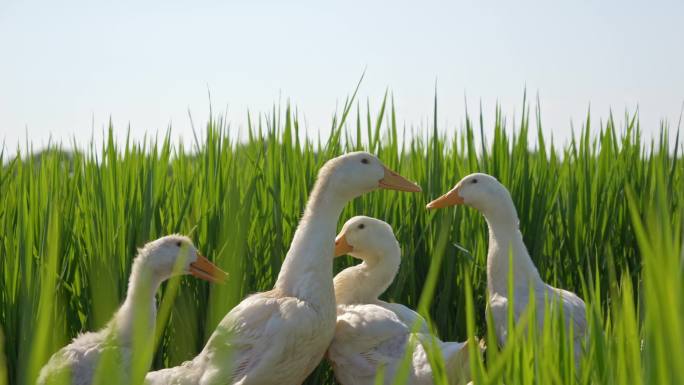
{"type": "Point", "coordinates": [280, 336]}
{"type": "Point", "coordinates": [506, 250]}
{"type": "Point", "coordinates": [374, 335]}
{"type": "Point", "coordinates": [78, 361]}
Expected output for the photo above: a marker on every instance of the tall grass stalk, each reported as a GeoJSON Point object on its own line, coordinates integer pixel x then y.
{"type": "Point", "coordinates": [601, 216]}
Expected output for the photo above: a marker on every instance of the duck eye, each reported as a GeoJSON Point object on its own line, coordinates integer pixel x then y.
{"type": "Point", "coordinates": [364, 160]}
{"type": "Point", "coordinates": [361, 226]}
{"type": "Point", "coordinates": [178, 243]}
{"type": "Point", "coordinates": [474, 181]}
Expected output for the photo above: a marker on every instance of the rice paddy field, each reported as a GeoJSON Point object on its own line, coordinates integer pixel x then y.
{"type": "Point", "coordinates": [601, 215]}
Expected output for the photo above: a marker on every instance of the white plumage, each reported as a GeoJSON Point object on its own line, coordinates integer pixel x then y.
{"type": "Point", "coordinates": [280, 336]}
{"type": "Point", "coordinates": [484, 193]}
{"type": "Point", "coordinates": [77, 362]}
{"type": "Point", "coordinates": [374, 335]}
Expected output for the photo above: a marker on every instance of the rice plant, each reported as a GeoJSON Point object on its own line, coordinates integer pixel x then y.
{"type": "Point", "coordinates": [601, 216]}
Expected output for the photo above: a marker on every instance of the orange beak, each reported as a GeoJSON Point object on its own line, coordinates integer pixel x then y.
{"type": "Point", "coordinates": [202, 268]}
{"type": "Point", "coordinates": [341, 246]}
{"type": "Point", "coordinates": [449, 199]}
{"type": "Point", "coordinates": [394, 181]}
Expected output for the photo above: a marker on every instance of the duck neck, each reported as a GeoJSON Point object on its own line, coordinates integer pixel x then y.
{"type": "Point", "coordinates": [137, 316]}
{"type": "Point", "coordinates": [506, 243]}
{"type": "Point", "coordinates": [365, 282]}
{"type": "Point", "coordinates": [306, 272]}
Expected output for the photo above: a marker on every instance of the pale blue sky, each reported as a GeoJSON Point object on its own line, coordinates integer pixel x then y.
{"type": "Point", "coordinates": [67, 64]}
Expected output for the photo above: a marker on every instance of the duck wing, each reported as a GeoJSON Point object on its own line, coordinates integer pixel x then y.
{"type": "Point", "coordinates": [409, 317]}
{"type": "Point", "coordinates": [252, 339]}
{"type": "Point", "coordinates": [367, 337]}
{"type": "Point", "coordinates": [77, 362]}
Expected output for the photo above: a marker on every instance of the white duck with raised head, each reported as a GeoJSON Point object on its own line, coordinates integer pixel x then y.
{"type": "Point", "coordinates": [374, 335]}
{"type": "Point", "coordinates": [157, 261]}
{"type": "Point", "coordinates": [486, 194]}
{"type": "Point", "coordinates": [280, 336]}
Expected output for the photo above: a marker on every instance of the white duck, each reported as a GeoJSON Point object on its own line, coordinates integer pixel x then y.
{"type": "Point", "coordinates": [372, 334]}
{"type": "Point", "coordinates": [280, 336]}
{"type": "Point", "coordinates": [77, 362]}
{"type": "Point", "coordinates": [484, 193]}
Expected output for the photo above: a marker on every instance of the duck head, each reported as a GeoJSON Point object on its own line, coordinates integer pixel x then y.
{"type": "Point", "coordinates": [480, 191]}
{"type": "Point", "coordinates": [366, 238]}
{"type": "Point", "coordinates": [357, 173]}
{"type": "Point", "coordinates": [161, 257]}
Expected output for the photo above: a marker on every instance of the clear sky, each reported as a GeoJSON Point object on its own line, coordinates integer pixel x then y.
{"type": "Point", "coordinates": [68, 66]}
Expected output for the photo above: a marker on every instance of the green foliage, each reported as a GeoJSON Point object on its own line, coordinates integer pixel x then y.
{"type": "Point", "coordinates": [601, 216]}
